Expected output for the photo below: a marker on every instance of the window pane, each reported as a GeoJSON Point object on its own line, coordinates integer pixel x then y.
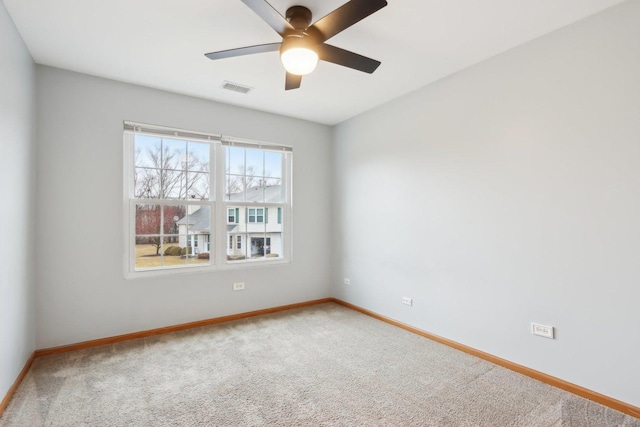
{"type": "Point", "coordinates": [148, 240]}
{"type": "Point", "coordinates": [194, 230]}
{"type": "Point", "coordinates": [198, 157]}
{"type": "Point", "coordinates": [200, 258]}
{"type": "Point", "coordinates": [272, 164]}
{"type": "Point", "coordinates": [146, 151]}
{"type": "Point", "coordinates": [148, 220]}
{"type": "Point", "coordinates": [235, 188]}
{"type": "Point", "coordinates": [255, 193]}
{"type": "Point", "coordinates": [197, 220]}
{"type": "Point", "coordinates": [262, 245]}
{"type": "Point", "coordinates": [199, 248]}
{"type": "Point", "coordinates": [166, 171]}
{"type": "Point", "coordinates": [172, 176]}
{"type": "Point", "coordinates": [198, 185]}
{"type": "Point", "coordinates": [173, 184]}
{"type": "Point", "coordinates": [275, 245]}
{"type": "Point", "coordinates": [270, 182]}
{"type": "Point", "coordinates": [235, 161]}
{"type": "Point", "coordinates": [172, 253]}
{"type": "Point", "coordinates": [255, 163]}
{"type": "Point", "coordinates": [148, 252]}
{"type": "Point", "coordinates": [174, 154]}
{"type": "Point", "coordinates": [261, 178]}
{"type": "Point", "coordinates": [172, 214]}
{"type": "Point", "coordinates": [238, 251]}
{"type": "Point", "coordinates": [146, 183]}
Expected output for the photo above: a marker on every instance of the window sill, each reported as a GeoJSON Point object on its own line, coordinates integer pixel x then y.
{"type": "Point", "coordinates": [179, 271]}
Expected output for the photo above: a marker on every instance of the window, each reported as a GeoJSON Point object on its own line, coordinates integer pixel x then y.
{"type": "Point", "coordinates": [182, 189]}
{"type": "Point", "coordinates": [256, 215]}
{"type": "Point", "coordinates": [232, 215]}
{"type": "Point", "coordinates": [257, 182]}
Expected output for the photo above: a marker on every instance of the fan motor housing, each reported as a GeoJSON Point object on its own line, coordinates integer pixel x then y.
{"type": "Point", "coordinates": [299, 17]}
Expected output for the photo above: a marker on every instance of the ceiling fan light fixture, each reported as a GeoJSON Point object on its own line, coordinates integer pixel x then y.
{"type": "Point", "coordinates": [299, 60]}
{"type": "Point", "coordinates": [304, 44]}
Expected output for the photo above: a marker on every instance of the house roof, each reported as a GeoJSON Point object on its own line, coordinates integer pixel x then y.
{"type": "Point", "coordinates": [259, 194]}
{"type": "Point", "coordinates": [200, 219]}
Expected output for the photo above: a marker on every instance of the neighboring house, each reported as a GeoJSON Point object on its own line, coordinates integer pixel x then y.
{"type": "Point", "coordinates": [195, 229]}
{"type": "Point", "coordinates": [252, 231]}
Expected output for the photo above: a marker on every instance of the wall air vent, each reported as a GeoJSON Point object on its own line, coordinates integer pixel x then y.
{"type": "Point", "coordinates": [236, 87]}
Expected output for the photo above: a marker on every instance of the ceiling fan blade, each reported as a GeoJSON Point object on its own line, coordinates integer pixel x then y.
{"type": "Point", "coordinates": [329, 53]}
{"type": "Point", "coordinates": [241, 51]}
{"type": "Point", "coordinates": [347, 15]}
{"type": "Point", "coordinates": [269, 15]}
{"type": "Point", "coordinates": [292, 81]}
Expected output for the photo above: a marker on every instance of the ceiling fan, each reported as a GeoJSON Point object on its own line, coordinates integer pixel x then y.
{"type": "Point", "coordinates": [304, 44]}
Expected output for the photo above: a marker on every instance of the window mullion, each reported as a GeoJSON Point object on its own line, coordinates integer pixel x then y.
{"type": "Point", "coordinates": [220, 218]}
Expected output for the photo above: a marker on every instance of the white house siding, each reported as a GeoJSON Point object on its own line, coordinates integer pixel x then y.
{"type": "Point", "coordinates": [269, 229]}
{"type": "Point", "coordinates": [276, 244]}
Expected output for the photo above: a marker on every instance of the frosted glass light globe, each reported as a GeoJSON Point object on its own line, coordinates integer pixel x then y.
{"type": "Point", "coordinates": [299, 60]}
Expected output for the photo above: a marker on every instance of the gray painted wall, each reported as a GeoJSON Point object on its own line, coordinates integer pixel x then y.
{"type": "Point", "coordinates": [82, 293]}
{"type": "Point", "coordinates": [506, 194]}
{"type": "Point", "coordinates": [17, 142]}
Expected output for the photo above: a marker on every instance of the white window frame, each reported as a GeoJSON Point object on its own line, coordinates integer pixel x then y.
{"type": "Point", "coordinates": [218, 207]}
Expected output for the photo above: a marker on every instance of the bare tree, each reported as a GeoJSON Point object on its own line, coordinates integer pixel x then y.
{"type": "Point", "coordinates": [150, 219]}
{"type": "Point", "coordinates": [169, 175]}
{"type": "Point", "coordinates": [237, 183]}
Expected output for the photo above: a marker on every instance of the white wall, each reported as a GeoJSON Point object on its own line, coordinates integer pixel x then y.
{"type": "Point", "coordinates": [17, 142]}
{"type": "Point", "coordinates": [82, 293]}
{"type": "Point", "coordinates": [505, 194]}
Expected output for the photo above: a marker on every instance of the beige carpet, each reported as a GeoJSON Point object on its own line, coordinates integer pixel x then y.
{"type": "Point", "coordinates": [319, 366]}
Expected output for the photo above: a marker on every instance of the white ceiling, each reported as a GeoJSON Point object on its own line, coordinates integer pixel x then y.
{"type": "Point", "coordinates": [161, 44]}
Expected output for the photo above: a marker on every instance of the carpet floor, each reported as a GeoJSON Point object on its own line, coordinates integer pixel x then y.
{"type": "Point", "coordinates": [322, 365]}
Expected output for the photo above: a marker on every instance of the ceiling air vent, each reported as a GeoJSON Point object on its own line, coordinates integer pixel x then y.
{"type": "Point", "coordinates": [235, 87]}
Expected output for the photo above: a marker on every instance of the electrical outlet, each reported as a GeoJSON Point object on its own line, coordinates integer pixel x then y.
{"type": "Point", "coordinates": [347, 281]}
{"type": "Point", "coordinates": [542, 330]}
{"type": "Point", "coordinates": [238, 286]}
{"type": "Point", "coordinates": [407, 300]}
